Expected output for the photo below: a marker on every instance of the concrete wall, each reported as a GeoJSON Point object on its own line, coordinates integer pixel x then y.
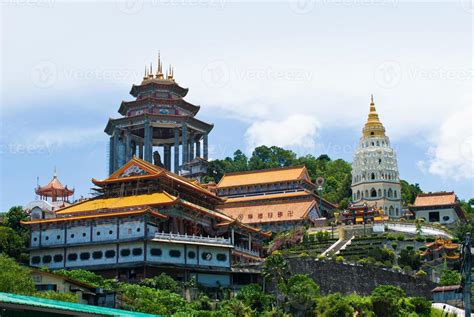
{"type": "Point", "coordinates": [450, 213]}
{"type": "Point", "coordinates": [356, 278]}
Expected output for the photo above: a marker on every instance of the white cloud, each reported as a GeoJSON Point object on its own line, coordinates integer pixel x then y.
{"type": "Point", "coordinates": [296, 131]}
{"type": "Point", "coordinates": [451, 153]}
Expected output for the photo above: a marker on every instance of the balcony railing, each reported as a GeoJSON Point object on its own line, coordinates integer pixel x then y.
{"type": "Point", "coordinates": [193, 238]}
{"type": "Point", "coordinates": [247, 251]}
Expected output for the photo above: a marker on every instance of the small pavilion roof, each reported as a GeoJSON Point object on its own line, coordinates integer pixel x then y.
{"type": "Point", "coordinates": [159, 84]}
{"type": "Point", "coordinates": [435, 199]}
{"type": "Point", "coordinates": [54, 189]}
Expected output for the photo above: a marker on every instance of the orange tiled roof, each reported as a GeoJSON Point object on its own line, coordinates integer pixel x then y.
{"type": "Point", "coordinates": [119, 203]}
{"type": "Point", "coordinates": [268, 196]}
{"type": "Point", "coordinates": [273, 175]}
{"type": "Point", "coordinates": [96, 215]}
{"type": "Point", "coordinates": [272, 211]}
{"type": "Point", "coordinates": [432, 199]}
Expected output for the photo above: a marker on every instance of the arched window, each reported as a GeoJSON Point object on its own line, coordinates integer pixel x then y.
{"type": "Point", "coordinates": [395, 194]}
{"type": "Point", "coordinates": [390, 211]}
{"type": "Point", "coordinates": [380, 192]}
{"type": "Point", "coordinates": [396, 211]}
{"type": "Point", "coordinates": [366, 193]}
{"type": "Point", "coordinates": [378, 143]}
{"type": "Point", "coordinates": [390, 193]}
{"type": "Point", "coordinates": [358, 195]}
{"type": "Point", "coordinates": [373, 193]}
{"type": "Point", "coordinates": [372, 176]}
{"type": "Point", "coordinates": [385, 194]}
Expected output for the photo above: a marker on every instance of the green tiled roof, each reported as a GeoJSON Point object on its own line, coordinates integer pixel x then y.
{"type": "Point", "coordinates": [8, 298]}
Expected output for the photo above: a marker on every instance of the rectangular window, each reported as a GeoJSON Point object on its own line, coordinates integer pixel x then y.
{"type": "Point", "coordinates": [250, 216]}
{"type": "Point", "coordinates": [290, 213]}
{"type": "Point", "coordinates": [260, 216]}
{"type": "Point", "coordinates": [280, 214]}
{"type": "Point", "coordinates": [434, 216]}
{"type": "Point", "coordinates": [270, 215]}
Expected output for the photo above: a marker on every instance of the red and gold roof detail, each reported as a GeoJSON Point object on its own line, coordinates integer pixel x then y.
{"type": "Point", "coordinates": [138, 169]}
{"type": "Point", "coordinates": [54, 189]}
{"type": "Point", "coordinates": [126, 106]}
{"type": "Point", "coordinates": [267, 176]}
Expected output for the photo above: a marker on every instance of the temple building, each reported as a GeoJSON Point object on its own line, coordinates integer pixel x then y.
{"type": "Point", "coordinates": [375, 178]}
{"type": "Point", "coordinates": [50, 197]}
{"type": "Point", "coordinates": [159, 126]}
{"type": "Point", "coordinates": [145, 220]}
{"type": "Point", "coordinates": [440, 207]}
{"type": "Point", "coordinates": [274, 199]}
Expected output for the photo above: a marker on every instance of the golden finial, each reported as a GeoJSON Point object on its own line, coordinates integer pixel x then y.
{"type": "Point", "coordinates": [145, 76]}
{"type": "Point", "coordinates": [159, 72]}
{"type": "Point", "coordinates": [371, 99]}
{"type": "Point", "coordinates": [55, 175]}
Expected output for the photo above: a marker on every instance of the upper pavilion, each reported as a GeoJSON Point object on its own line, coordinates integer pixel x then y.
{"type": "Point", "coordinates": [54, 190]}
{"type": "Point", "coordinates": [157, 121]}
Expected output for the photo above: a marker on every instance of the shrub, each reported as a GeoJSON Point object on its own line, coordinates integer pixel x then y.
{"type": "Point", "coordinates": [407, 269]}
{"type": "Point", "coordinates": [396, 268]}
{"type": "Point", "coordinates": [385, 299]}
{"type": "Point", "coordinates": [334, 305]}
{"type": "Point", "coordinates": [339, 259]}
{"type": "Point", "coordinates": [419, 239]}
{"type": "Point", "coordinates": [409, 247]}
{"type": "Point", "coordinates": [455, 240]}
{"type": "Point", "coordinates": [391, 237]}
{"type": "Point", "coordinates": [394, 245]}
{"type": "Point", "coordinates": [422, 306]}
{"type": "Point", "coordinates": [304, 255]}
{"type": "Point", "coordinates": [430, 239]}
{"type": "Point", "coordinates": [400, 237]}
{"type": "Point", "coordinates": [421, 273]}
{"type": "Point", "coordinates": [423, 248]}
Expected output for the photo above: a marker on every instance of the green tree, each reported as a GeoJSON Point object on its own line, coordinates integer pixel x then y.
{"type": "Point", "coordinates": [334, 305]}
{"type": "Point", "coordinates": [253, 296]}
{"type": "Point", "coordinates": [14, 278]}
{"type": "Point", "coordinates": [422, 306]}
{"type": "Point", "coordinates": [13, 218]}
{"type": "Point", "coordinates": [409, 192]}
{"type": "Point", "coordinates": [269, 157]}
{"type": "Point", "coordinates": [275, 268]}
{"type": "Point", "coordinates": [163, 282]}
{"type": "Point", "coordinates": [450, 277]}
{"type": "Point", "coordinates": [410, 258]}
{"type": "Point", "coordinates": [301, 292]}
{"type": "Point", "coordinates": [385, 300]}
{"type": "Point", "coordinates": [236, 308]}
{"type": "Point", "coordinates": [12, 244]}
{"type": "Point", "coordinates": [148, 300]}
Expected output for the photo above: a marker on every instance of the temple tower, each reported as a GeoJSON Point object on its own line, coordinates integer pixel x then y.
{"type": "Point", "coordinates": [159, 126]}
{"type": "Point", "coordinates": [375, 178]}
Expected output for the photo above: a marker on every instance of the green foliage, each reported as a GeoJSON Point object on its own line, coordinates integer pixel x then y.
{"type": "Point", "coordinates": [334, 305]}
{"type": "Point", "coordinates": [362, 305]}
{"type": "Point", "coordinates": [300, 291]}
{"type": "Point", "coordinates": [163, 282]}
{"type": "Point", "coordinates": [65, 297]}
{"type": "Point", "coordinates": [84, 276]}
{"type": "Point", "coordinates": [421, 273]}
{"type": "Point", "coordinates": [383, 255]}
{"type": "Point", "coordinates": [385, 300]}
{"type": "Point", "coordinates": [409, 192]}
{"type": "Point", "coordinates": [253, 296]}
{"type": "Point", "coordinates": [422, 306]}
{"type": "Point", "coordinates": [275, 268]}
{"type": "Point", "coordinates": [235, 308]}
{"type": "Point", "coordinates": [449, 277]}
{"type": "Point", "coordinates": [148, 300]}
{"type": "Point", "coordinates": [394, 245]}
{"type": "Point", "coordinates": [410, 258]}
{"type": "Point", "coordinates": [14, 278]}
{"type": "Point", "coordinates": [322, 235]}
{"type": "Point", "coordinates": [13, 236]}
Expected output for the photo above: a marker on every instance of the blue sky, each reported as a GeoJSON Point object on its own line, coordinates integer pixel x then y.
{"type": "Point", "coordinates": [294, 74]}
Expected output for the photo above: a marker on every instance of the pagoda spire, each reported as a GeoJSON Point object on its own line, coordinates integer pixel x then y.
{"type": "Point", "coordinates": [159, 72]}
{"type": "Point", "coordinates": [373, 126]}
